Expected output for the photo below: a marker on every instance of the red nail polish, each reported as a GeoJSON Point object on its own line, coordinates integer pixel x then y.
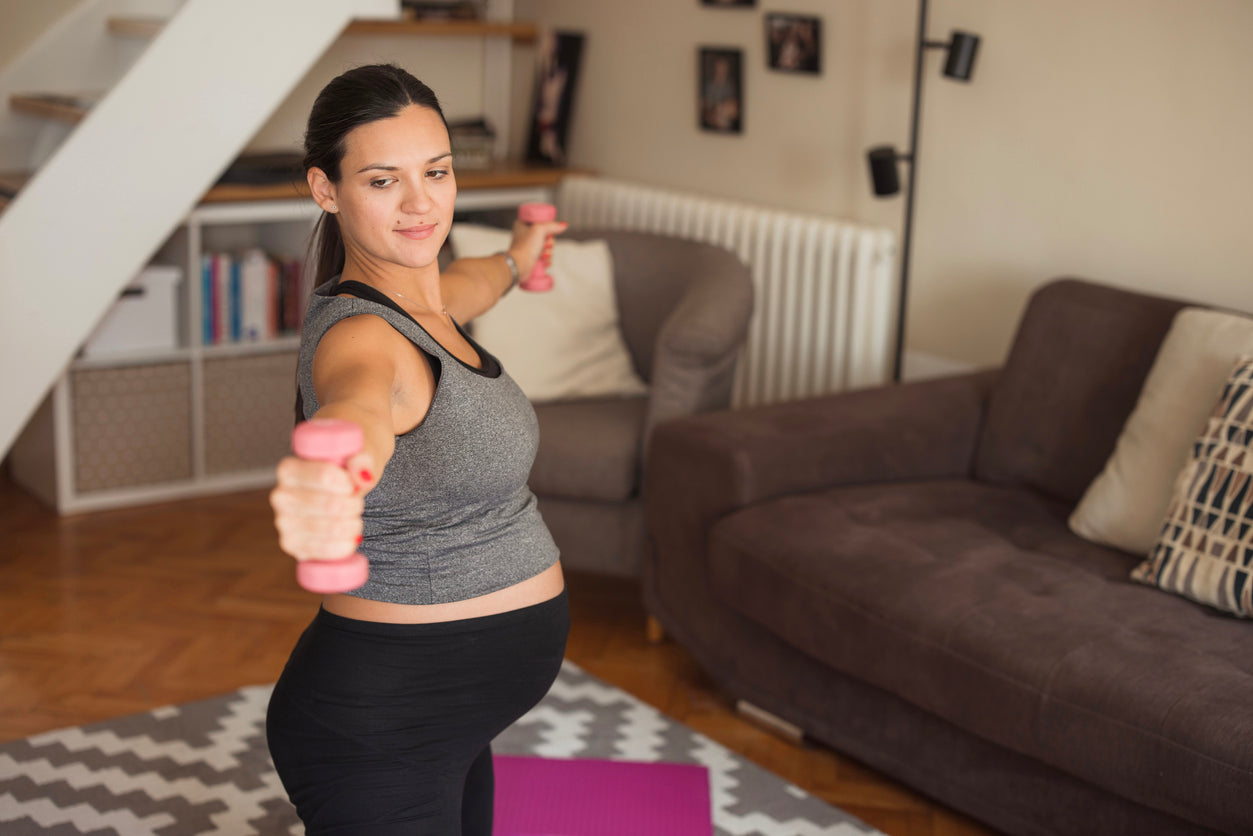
{"type": "Point", "coordinates": [360, 539]}
{"type": "Point", "coordinates": [366, 476]}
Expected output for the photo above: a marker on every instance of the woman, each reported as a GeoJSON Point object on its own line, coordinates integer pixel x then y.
{"type": "Point", "coordinates": [382, 720]}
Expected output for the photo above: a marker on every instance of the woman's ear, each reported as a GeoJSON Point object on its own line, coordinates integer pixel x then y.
{"type": "Point", "coordinates": [323, 190]}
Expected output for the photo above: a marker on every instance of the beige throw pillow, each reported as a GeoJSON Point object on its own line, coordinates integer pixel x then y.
{"type": "Point", "coordinates": [563, 343]}
{"type": "Point", "coordinates": [1125, 504]}
{"type": "Point", "coordinates": [1205, 550]}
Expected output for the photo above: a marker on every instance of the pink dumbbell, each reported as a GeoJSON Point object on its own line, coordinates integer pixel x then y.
{"type": "Point", "coordinates": [537, 213]}
{"type": "Point", "coordinates": [330, 440]}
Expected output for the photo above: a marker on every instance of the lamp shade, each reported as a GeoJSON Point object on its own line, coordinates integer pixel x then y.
{"type": "Point", "coordinates": [961, 55]}
{"type": "Point", "coordinates": [883, 173]}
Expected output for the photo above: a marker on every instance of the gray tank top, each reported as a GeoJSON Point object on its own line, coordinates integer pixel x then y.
{"type": "Point", "coordinates": [452, 517]}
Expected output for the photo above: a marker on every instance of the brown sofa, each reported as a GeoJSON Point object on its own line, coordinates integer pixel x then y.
{"type": "Point", "coordinates": [891, 570]}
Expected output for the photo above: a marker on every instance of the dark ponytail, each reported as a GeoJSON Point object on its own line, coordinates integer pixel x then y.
{"type": "Point", "coordinates": [357, 97]}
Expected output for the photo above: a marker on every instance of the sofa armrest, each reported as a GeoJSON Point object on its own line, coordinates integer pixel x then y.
{"type": "Point", "coordinates": [697, 347]}
{"type": "Point", "coordinates": [924, 430]}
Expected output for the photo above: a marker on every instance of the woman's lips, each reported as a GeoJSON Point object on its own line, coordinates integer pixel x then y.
{"type": "Point", "coordinates": [417, 233]}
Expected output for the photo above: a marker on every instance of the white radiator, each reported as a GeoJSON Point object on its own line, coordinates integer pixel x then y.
{"type": "Point", "coordinates": [823, 319]}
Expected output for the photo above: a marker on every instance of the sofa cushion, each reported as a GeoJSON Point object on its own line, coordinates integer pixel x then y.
{"type": "Point", "coordinates": [976, 603]}
{"type": "Point", "coordinates": [1205, 550]}
{"type": "Point", "coordinates": [1074, 372]}
{"type": "Point", "coordinates": [589, 448]}
{"type": "Point", "coordinates": [1125, 505]}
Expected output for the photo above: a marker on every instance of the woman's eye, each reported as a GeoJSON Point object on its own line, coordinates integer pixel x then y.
{"type": "Point", "coordinates": [437, 173]}
{"type": "Point", "coordinates": [381, 182]}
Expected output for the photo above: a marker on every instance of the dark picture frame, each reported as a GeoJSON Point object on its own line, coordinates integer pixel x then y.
{"type": "Point", "coordinates": [557, 59]}
{"type": "Point", "coordinates": [720, 89]}
{"type": "Point", "coordinates": [794, 43]}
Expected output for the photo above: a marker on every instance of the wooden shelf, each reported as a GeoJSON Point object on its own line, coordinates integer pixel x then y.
{"type": "Point", "coordinates": [520, 32]}
{"type": "Point", "coordinates": [150, 27]}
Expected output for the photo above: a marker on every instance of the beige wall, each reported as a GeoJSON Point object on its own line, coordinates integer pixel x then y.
{"type": "Point", "coordinates": [1099, 138]}
{"type": "Point", "coordinates": [453, 67]}
{"type": "Point", "coordinates": [22, 21]}
{"type": "Point", "coordinates": [636, 102]}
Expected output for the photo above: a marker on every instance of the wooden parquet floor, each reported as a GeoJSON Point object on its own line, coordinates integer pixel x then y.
{"type": "Point", "coordinates": [123, 611]}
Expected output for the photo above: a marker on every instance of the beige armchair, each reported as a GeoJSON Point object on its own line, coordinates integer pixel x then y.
{"type": "Point", "coordinates": [684, 309]}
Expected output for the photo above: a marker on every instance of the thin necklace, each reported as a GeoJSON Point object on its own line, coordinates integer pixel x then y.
{"type": "Point", "coordinates": [443, 311]}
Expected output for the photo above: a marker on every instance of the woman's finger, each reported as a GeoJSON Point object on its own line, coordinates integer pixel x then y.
{"type": "Point", "coordinates": [302, 473]}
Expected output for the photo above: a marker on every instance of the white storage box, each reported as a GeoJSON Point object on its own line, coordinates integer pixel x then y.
{"type": "Point", "coordinates": [144, 318]}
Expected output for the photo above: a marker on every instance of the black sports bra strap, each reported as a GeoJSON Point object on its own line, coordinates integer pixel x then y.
{"type": "Point", "coordinates": [374, 295]}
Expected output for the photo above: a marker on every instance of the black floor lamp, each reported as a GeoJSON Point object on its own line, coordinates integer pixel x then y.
{"type": "Point", "coordinates": [883, 159]}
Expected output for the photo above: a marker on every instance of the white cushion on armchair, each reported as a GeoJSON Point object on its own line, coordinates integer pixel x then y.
{"type": "Point", "coordinates": [564, 343]}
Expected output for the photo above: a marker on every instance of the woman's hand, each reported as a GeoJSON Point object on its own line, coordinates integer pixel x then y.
{"type": "Point", "coordinates": [532, 243]}
{"type": "Point", "coordinates": [472, 286]}
{"type": "Point", "coordinates": [318, 506]}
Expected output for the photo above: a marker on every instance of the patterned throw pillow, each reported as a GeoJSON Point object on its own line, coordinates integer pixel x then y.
{"type": "Point", "coordinates": [1205, 549]}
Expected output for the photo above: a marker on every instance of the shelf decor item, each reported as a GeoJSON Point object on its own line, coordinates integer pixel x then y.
{"type": "Point", "coordinates": [794, 43]}
{"type": "Point", "coordinates": [558, 55]}
{"type": "Point", "coordinates": [442, 9]}
{"type": "Point", "coordinates": [264, 168]}
{"type": "Point", "coordinates": [882, 159]}
{"type": "Point", "coordinates": [721, 91]}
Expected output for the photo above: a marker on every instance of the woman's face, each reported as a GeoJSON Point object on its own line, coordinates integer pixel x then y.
{"type": "Point", "coordinates": [396, 190]}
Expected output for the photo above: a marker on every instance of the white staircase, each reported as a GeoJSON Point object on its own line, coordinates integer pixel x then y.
{"type": "Point", "coordinates": [173, 105]}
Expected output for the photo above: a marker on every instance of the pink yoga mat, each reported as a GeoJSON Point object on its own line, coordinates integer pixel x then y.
{"type": "Point", "coordinates": [586, 797]}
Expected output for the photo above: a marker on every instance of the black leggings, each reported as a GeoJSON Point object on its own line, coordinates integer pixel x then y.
{"type": "Point", "coordinates": [385, 729]}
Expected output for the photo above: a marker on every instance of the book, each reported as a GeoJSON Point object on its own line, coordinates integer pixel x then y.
{"type": "Point", "coordinates": [235, 299]}
{"type": "Point", "coordinates": [250, 296]}
{"type": "Point", "coordinates": [253, 299]}
{"type": "Point", "coordinates": [208, 302]}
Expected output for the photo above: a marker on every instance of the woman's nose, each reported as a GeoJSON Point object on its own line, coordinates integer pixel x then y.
{"type": "Point", "coordinates": [416, 200]}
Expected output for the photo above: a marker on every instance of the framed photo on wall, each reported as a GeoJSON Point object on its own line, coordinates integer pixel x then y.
{"type": "Point", "coordinates": [556, 70]}
{"type": "Point", "coordinates": [794, 43]}
{"type": "Point", "coordinates": [721, 90]}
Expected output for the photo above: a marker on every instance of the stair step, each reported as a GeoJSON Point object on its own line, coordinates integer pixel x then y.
{"type": "Point", "coordinates": [136, 27]}
{"type": "Point", "coordinates": [67, 107]}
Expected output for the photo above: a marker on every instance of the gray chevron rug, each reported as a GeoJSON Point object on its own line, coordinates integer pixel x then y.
{"type": "Point", "coordinates": [203, 768]}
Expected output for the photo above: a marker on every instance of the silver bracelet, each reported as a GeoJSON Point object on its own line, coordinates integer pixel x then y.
{"type": "Point", "coordinates": [513, 270]}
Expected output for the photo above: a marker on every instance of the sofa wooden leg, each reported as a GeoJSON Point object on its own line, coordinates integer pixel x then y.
{"type": "Point", "coordinates": [768, 721]}
{"type": "Point", "coordinates": [654, 631]}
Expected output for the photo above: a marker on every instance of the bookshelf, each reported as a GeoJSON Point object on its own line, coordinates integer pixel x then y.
{"type": "Point", "coordinates": [155, 425]}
